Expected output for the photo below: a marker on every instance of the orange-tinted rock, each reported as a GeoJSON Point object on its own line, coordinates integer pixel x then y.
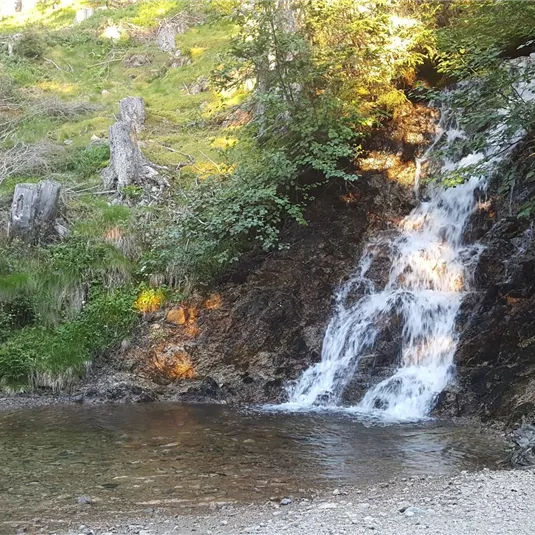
{"type": "Point", "coordinates": [177, 316]}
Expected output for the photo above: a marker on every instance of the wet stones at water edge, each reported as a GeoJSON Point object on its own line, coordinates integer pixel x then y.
{"type": "Point", "coordinates": [523, 446]}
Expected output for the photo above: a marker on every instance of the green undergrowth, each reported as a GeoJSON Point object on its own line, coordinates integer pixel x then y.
{"type": "Point", "coordinates": [55, 358]}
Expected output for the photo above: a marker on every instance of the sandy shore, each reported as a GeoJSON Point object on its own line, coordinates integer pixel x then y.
{"type": "Point", "coordinates": [501, 502]}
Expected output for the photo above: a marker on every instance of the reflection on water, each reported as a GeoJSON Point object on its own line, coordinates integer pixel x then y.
{"type": "Point", "coordinates": [132, 457]}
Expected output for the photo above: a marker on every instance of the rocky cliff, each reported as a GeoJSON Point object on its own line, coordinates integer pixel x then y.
{"type": "Point", "coordinates": [496, 354]}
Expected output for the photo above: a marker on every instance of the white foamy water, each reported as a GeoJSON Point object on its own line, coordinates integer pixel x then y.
{"type": "Point", "coordinates": [430, 273]}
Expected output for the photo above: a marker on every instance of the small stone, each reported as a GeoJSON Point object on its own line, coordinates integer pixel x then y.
{"type": "Point", "coordinates": [338, 492]}
{"type": "Point", "coordinates": [286, 501]}
{"type": "Point", "coordinates": [411, 511]}
{"type": "Point", "coordinates": [68, 142]}
{"type": "Point", "coordinates": [105, 92]}
{"type": "Point", "coordinates": [327, 505]}
{"type": "Point", "coordinates": [85, 500]}
{"type": "Point", "coordinates": [177, 316]}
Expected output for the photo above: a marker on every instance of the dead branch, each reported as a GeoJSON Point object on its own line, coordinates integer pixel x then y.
{"type": "Point", "coordinates": [24, 158]}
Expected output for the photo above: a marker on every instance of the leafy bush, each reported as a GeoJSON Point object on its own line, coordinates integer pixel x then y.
{"type": "Point", "coordinates": [89, 161]}
{"type": "Point", "coordinates": [317, 95]}
{"type": "Point", "coordinates": [150, 300]}
{"type": "Point", "coordinates": [31, 45]}
{"type": "Point", "coordinates": [53, 279]}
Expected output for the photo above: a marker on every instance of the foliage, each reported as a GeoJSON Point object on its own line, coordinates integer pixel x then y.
{"type": "Point", "coordinates": [473, 47]}
{"type": "Point", "coordinates": [150, 300]}
{"type": "Point", "coordinates": [31, 45]}
{"type": "Point", "coordinates": [89, 161]}
{"type": "Point", "coordinates": [317, 95]}
{"type": "Point", "coordinates": [54, 358]}
{"type": "Point", "coordinates": [53, 280]}
{"type": "Point", "coordinates": [477, 35]}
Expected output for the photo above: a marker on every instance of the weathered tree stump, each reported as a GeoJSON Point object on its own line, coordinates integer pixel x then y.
{"type": "Point", "coordinates": [165, 38]}
{"type": "Point", "coordinates": [83, 14]}
{"type": "Point", "coordinates": [128, 166]}
{"type": "Point", "coordinates": [133, 111]}
{"type": "Point", "coordinates": [126, 161]}
{"type": "Point", "coordinates": [35, 210]}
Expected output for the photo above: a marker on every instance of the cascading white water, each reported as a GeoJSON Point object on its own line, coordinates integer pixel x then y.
{"type": "Point", "coordinates": [430, 274]}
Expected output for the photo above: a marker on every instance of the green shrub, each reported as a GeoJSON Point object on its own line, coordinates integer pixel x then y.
{"type": "Point", "coordinates": [55, 357]}
{"type": "Point", "coordinates": [31, 45]}
{"type": "Point", "coordinates": [87, 162]}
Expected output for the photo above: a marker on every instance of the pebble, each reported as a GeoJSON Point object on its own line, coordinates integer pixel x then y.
{"type": "Point", "coordinates": [286, 501]}
{"type": "Point", "coordinates": [327, 505]}
{"type": "Point", "coordinates": [85, 500]}
{"type": "Point", "coordinates": [338, 492]}
{"type": "Point", "coordinates": [411, 511]}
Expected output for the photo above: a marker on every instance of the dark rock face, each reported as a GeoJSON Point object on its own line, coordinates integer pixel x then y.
{"type": "Point", "coordinates": [496, 352]}
{"type": "Point", "coordinates": [271, 324]}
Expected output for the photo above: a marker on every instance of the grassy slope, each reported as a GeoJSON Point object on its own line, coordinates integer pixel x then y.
{"type": "Point", "coordinates": [79, 64]}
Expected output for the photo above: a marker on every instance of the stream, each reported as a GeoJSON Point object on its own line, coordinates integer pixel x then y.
{"type": "Point", "coordinates": [130, 459]}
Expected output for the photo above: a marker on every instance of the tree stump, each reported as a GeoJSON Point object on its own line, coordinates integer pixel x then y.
{"type": "Point", "coordinates": [83, 14]}
{"type": "Point", "coordinates": [165, 38]}
{"type": "Point", "coordinates": [35, 210]}
{"type": "Point", "coordinates": [126, 161]}
{"type": "Point", "coordinates": [128, 166]}
{"type": "Point", "coordinates": [133, 111]}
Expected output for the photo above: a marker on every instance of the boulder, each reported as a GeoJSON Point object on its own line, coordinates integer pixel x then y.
{"type": "Point", "coordinates": [201, 85]}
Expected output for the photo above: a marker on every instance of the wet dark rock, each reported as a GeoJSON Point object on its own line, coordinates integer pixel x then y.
{"type": "Point", "coordinates": [523, 446]}
{"type": "Point", "coordinates": [495, 354]}
{"type": "Point", "coordinates": [451, 402]}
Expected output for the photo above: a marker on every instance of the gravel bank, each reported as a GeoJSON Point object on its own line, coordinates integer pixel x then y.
{"type": "Point", "coordinates": [485, 502]}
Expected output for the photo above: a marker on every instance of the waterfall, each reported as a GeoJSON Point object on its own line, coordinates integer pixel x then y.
{"type": "Point", "coordinates": [431, 269]}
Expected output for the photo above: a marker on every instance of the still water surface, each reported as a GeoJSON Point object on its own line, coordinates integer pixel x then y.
{"type": "Point", "coordinates": [130, 458]}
